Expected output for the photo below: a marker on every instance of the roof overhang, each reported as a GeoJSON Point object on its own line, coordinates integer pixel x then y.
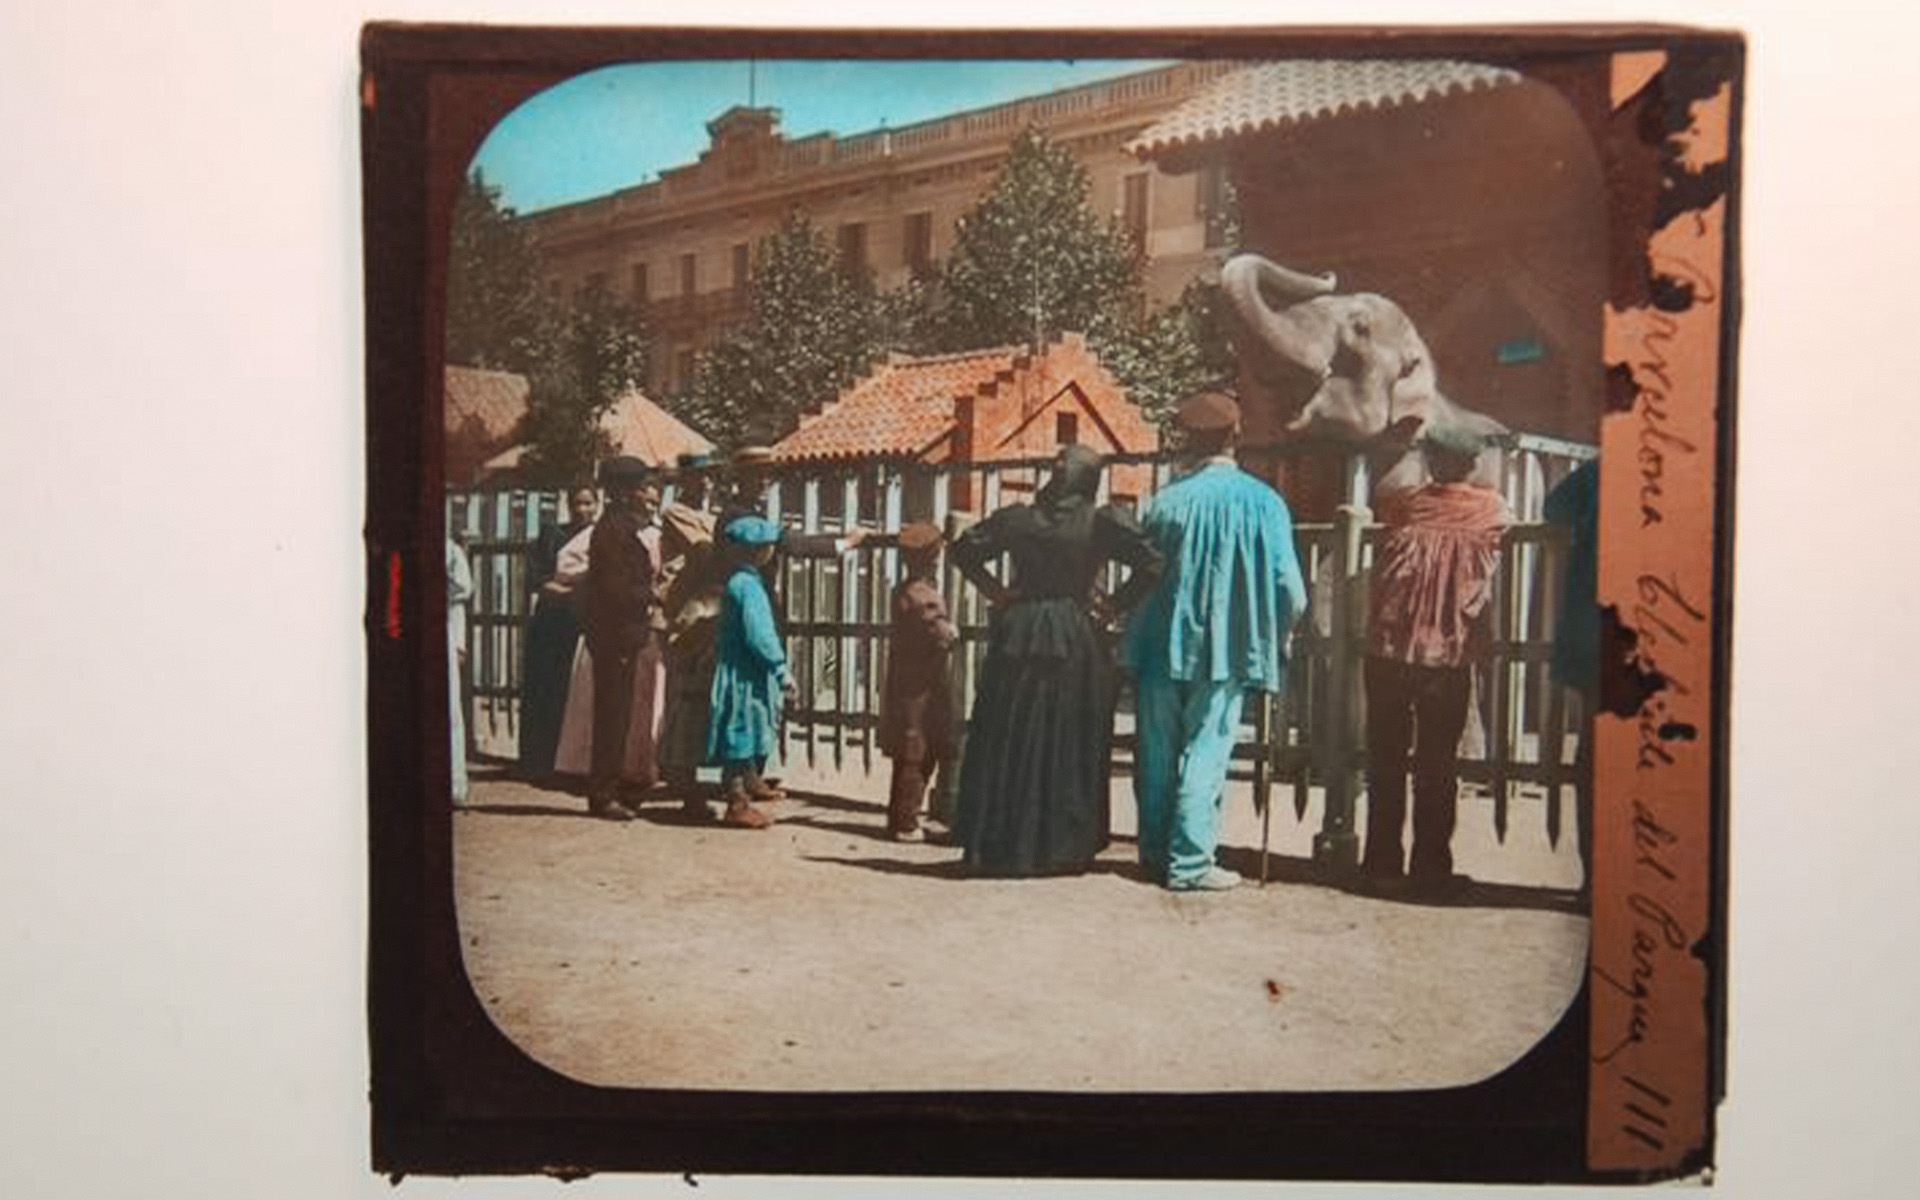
{"type": "Point", "coordinates": [1273, 96]}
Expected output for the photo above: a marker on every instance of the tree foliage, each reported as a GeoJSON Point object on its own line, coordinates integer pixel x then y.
{"type": "Point", "coordinates": [589, 357]}
{"type": "Point", "coordinates": [577, 358]}
{"type": "Point", "coordinates": [811, 331]}
{"type": "Point", "coordinates": [1184, 348]}
{"type": "Point", "coordinates": [497, 316]}
{"type": "Point", "coordinates": [1033, 258]}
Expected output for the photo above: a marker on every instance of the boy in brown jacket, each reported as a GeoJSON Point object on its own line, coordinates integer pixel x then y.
{"type": "Point", "coordinates": [917, 707]}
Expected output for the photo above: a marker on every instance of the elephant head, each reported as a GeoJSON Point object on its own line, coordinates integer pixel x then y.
{"type": "Point", "coordinates": [1352, 364]}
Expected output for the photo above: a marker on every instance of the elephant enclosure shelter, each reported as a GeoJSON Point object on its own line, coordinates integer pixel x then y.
{"type": "Point", "coordinates": [1523, 735]}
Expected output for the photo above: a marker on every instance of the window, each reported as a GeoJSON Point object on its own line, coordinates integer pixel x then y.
{"type": "Point", "coordinates": [1066, 428]}
{"type": "Point", "coordinates": [637, 290]}
{"type": "Point", "coordinates": [1133, 206]}
{"type": "Point", "coordinates": [917, 244]}
{"type": "Point", "coordinates": [688, 274]}
{"type": "Point", "coordinates": [853, 248]}
{"type": "Point", "coordinates": [1515, 351]}
{"type": "Point", "coordinates": [740, 266]}
{"type": "Point", "coordinates": [683, 368]}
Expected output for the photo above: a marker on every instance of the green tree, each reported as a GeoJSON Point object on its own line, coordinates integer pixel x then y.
{"type": "Point", "coordinates": [584, 363]}
{"type": "Point", "coordinates": [1033, 258]}
{"type": "Point", "coordinates": [497, 316]}
{"type": "Point", "coordinates": [812, 330]}
{"type": "Point", "coordinates": [1184, 348]}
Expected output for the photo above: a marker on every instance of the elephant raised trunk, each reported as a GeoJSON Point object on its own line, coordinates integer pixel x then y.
{"type": "Point", "coordinates": [1355, 366]}
{"type": "Point", "coordinates": [1295, 335]}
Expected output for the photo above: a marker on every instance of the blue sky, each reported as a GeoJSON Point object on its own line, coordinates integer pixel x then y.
{"type": "Point", "coordinates": [618, 126]}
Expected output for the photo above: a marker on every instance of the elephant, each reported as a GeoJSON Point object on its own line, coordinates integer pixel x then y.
{"type": "Point", "coordinates": [1350, 366]}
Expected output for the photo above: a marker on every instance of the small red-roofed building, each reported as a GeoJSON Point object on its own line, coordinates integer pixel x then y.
{"type": "Point", "coordinates": [483, 414]}
{"type": "Point", "coordinates": [1008, 404]}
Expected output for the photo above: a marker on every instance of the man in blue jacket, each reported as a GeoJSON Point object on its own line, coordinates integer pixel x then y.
{"type": "Point", "coordinates": [1215, 629]}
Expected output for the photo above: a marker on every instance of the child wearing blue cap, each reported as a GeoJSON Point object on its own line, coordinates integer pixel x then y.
{"type": "Point", "coordinates": [750, 676]}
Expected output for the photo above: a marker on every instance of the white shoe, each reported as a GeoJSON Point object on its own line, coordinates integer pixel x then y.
{"type": "Point", "coordinates": [1216, 879]}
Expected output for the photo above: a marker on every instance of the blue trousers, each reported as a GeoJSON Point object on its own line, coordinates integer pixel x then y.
{"type": "Point", "coordinates": [1187, 729]}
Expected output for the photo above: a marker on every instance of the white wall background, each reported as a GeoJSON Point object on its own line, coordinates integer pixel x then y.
{"type": "Point", "coordinates": [181, 832]}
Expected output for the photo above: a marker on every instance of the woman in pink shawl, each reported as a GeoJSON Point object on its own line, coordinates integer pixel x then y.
{"type": "Point", "coordinates": [1431, 583]}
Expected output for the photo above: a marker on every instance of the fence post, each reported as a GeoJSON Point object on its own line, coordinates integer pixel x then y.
{"type": "Point", "coordinates": [814, 652]}
{"type": "Point", "coordinates": [846, 669]}
{"type": "Point", "coordinates": [1336, 848]}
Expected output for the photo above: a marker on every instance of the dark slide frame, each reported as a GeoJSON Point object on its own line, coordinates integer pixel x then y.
{"type": "Point", "coordinates": [450, 1093]}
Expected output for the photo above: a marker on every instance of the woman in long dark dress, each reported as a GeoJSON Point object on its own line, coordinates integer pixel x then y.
{"type": "Point", "coordinates": [1033, 783]}
{"type": "Point", "coordinates": [553, 634]}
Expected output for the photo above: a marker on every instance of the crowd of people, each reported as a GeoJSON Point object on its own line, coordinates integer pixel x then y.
{"type": "Point", "coordinates": [655, 648]}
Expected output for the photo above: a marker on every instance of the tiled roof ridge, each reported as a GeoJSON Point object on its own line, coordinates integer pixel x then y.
{"type": "Point", "coordinates": [1009, 362]}
{"type": "Point", "coordinates": [899, 358]}
{"type": "Point", "coordinates": [1006, 374]}
{"type": "Point", "coordinates": [1288, 92]}
{"type": "Point", "coordinates": [897, 362]}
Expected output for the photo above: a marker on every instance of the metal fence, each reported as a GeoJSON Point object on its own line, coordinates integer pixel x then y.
{"type": "Point", "coordinates": [1523, 733]}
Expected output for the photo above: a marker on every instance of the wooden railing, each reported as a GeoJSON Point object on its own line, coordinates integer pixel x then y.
{"type": "Point", "coordinates": [1303, 744]}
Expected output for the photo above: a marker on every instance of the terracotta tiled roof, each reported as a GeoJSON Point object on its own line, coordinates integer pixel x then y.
{"type": "Point", "coordinates": [494, 400]}
{"type": "Point", "coordinates": [1293, 91]}
{"type": "Point", "coordinates": [484, 408]}
{"type": "Point", "coordinates": [650, 433]}
{"type": "Point", "coordinates": [901, 408]}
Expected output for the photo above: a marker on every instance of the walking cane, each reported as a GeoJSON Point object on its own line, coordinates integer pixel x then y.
{"type": "Point", "coordinates": [1263, 777]}
{"type": "Point", "coordinates": [1266, 820]}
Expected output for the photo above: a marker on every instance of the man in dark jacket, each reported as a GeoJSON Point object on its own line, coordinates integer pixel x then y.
{"type": "Point", "coordinates": [616, 618]}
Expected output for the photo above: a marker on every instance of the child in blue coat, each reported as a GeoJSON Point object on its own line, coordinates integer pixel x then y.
{"type": "Point", "coordinates": [750, 677]}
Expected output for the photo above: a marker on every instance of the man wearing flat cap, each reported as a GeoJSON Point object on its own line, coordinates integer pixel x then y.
{"type": "Point", "coordinates": [751, 679]}
{"type": "Point", "coordinates": [752, 477]}
{"type": "Point", "coordinates": [1214, 629]}
{"type": "Point", "coordinates": [747, 496]}
{"type": "Point", "coordinates": [617, 620]}
{"type": "Point", "coordinates": [1431, 584]}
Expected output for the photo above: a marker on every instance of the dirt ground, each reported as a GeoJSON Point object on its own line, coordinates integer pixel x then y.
{"type": "Point", "coordinates": [819, 955]}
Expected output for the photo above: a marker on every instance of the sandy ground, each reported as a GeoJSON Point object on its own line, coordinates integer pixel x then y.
{"type": "Point", "coordinates": [818, 955]}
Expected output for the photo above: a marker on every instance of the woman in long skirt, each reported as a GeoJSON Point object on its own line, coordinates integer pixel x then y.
{"type": "Point", "coordinates": [553, 634]}
{"type": "Point", "coordinates": [573, 752]}
{"type": "Point", "coordinates": [1034, 780]}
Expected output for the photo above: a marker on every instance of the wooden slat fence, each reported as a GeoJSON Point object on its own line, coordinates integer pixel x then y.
{"type": "Point", "coordinates": [1294, 747]}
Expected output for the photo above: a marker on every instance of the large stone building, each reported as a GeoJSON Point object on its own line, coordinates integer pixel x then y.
{"type": "Point", "coordinates": [683, 245]}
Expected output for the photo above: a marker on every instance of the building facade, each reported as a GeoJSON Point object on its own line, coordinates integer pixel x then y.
{"type": "Point", "coordinates": [681, 247]}
{"type": "Point", "coordinates": [1470, 194]}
